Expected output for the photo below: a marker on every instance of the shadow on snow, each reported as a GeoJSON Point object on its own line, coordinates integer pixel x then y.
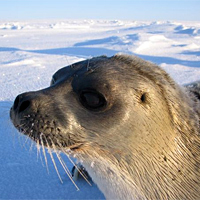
{"type": "Point", "coordinates": [81, 51]}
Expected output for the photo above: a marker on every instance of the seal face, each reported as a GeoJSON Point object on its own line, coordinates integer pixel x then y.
{"type": "Point", "coordinates": [134, 129]}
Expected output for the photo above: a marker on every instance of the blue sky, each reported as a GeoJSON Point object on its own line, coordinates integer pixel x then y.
{"type": "Point", "coordinates": [100, 9]}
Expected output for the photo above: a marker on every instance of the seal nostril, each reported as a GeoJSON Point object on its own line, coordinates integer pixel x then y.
{"type": "Point", "coordinates": [24, 105]}
{"type": "Point", "coordinates": [16, 103]}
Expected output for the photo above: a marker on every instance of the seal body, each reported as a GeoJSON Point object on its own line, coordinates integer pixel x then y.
{"type": "Point", "coordinates": [131, 126]}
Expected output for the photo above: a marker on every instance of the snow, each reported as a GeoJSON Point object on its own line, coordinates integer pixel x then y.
{"type": "Point", "coordinates": [31, 51]}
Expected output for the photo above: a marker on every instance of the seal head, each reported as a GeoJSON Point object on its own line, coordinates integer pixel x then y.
{"type": "Point", "coordinates": [133, 128]}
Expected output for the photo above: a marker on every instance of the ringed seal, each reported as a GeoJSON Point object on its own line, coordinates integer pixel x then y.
{"type": "Point", "coordinates": [133, 128]}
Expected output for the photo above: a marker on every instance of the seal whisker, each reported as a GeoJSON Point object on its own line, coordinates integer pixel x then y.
{"type": "Point", "coordinates": [24, 140]}
{"type": "Point", "coordinates": [66, 152]}
{"type": "Point", "coordinates": [24, 131]}
{"type": "Point", "coordinates": [52, 159]}
{"type": "Point", "coordinates": [44, 153]}
{"type": "Point", "coordinates": [27, 139]}
{"type": "Point", "coordinates": [63, 164]}
{"type": "Point", "coordinates": [22, 128]}
{"type": "Point", "coordinates": [21, 125]}
{"type": "Point", "coordinates": [38, 148]}
{"type": "Point", "coordinates": [39, 152]}
{"type": "Point", "coordinates": [66, 170]}
{"type": "Point", "coordinates": [77, 168]}
{"type": "Point", "coordinates": [27, 116]}
{"type": "Point", "coordinates": [20, 137]}
{"type": "Point", "coordinates": [31, 145]}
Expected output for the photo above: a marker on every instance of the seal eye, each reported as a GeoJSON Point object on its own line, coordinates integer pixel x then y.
{"type": "Point", "coordinates": [92, 100]}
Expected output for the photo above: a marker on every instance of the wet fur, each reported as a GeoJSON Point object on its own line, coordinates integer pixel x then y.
{"type": "Point", "coordinates": [144, 145]}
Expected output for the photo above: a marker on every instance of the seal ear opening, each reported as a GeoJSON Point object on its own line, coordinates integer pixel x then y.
{"type": "Point", "coordinates": [143, 98]}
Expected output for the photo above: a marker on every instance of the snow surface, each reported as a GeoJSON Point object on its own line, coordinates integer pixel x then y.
{"type": "Point", "coordinates": [31, 51]}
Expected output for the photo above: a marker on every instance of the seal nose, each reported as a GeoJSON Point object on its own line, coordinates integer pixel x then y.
{"type": "Point", "coordinates": [21, 103]}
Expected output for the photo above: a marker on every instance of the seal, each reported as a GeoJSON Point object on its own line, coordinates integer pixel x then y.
{"type": "Point", "coordinates": [131, 126]}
